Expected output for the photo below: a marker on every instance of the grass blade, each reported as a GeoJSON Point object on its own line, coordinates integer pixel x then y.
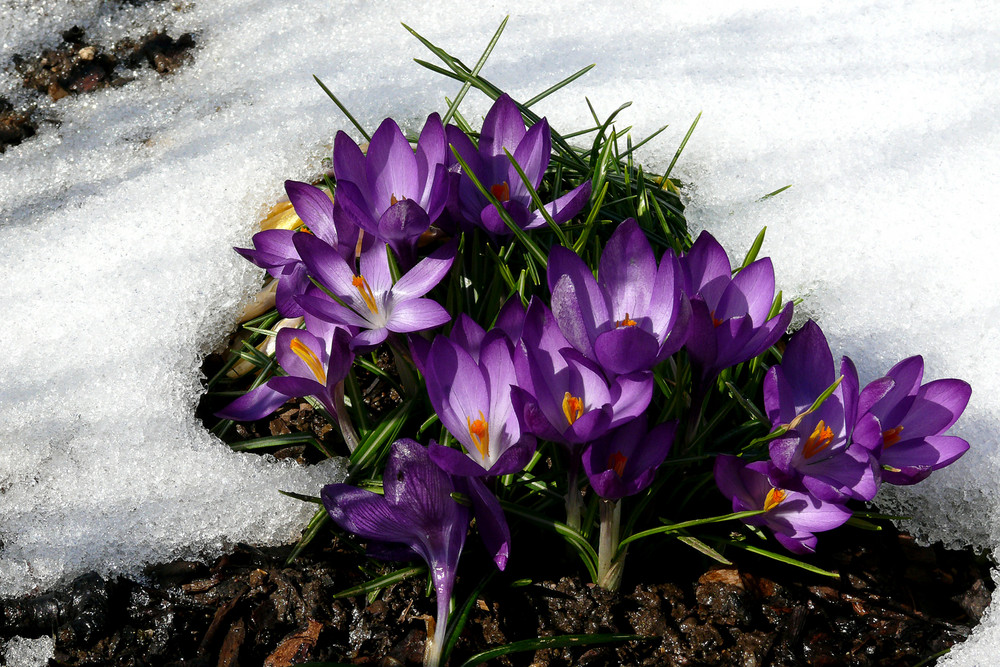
{"type": "Point", "coordinates": [344, 110]}
{"type": "Point", "coordinates": [680, 148]}
{"type": "Point", "coordinates": [563, 641]}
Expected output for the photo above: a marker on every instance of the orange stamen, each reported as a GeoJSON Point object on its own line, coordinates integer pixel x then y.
{"type": "Point", "coordinates": [617, 463]}
{"type": "Point", "coordinates": [365, 290]}
{"type": "Point", "coordinates": [480, 432]}
{"type": "Point", "coordinates": [392, 200]}
{"type": "Point", "coordinates": [501, 191]}
{"type": "Point", "coordinates": [627, 322]}
{"type": "Point", "coordinates": [820, 439]}
{"type": "Point", "coordinates": [572, 408]}
{"type": "Point", "coordinates": [773, 499]}
{"type": "Point", "coordinates": [891, 436]}
{"type": "Point", "coordinates": [310, 359]}
{"type": "Point", "coordinates": [715, 321]}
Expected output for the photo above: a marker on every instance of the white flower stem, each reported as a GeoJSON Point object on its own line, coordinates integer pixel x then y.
{"type": "Point", "coordinates": [609, 567]}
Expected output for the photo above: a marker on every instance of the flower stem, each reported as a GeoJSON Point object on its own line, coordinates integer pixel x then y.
{"type": "Point", "coordinates": [574, 499]}
{"type": "Point", "coordinates": [401, 358]}
{"type": "Point", "coordinates": [343, 418]}
{"type": "Point", "coordinates": [609, 567]}
{"type": "Point", "coordinates": [435, 644]}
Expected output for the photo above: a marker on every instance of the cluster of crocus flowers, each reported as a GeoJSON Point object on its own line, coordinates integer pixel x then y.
{"type": "Point", "coordinates": [843, 448]}
{"type": "Point", "coordinates": [569, 375]}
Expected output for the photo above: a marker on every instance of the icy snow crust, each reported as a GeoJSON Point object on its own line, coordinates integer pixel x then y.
{"type": "Point", "coordinates": [116, 227]}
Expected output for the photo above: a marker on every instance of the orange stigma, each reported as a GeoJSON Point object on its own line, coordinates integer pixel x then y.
{"type": "Point", "coordinates": [309, 358]}
{"type": "Point", "coordinates": [501, 191]}
{"type": "Point", "coordinates": [891, 436]}
{"type": "Point", "coordinates": [715, 321]}
{"type": "Point", "coordinates": [617, 463]}
{"type": "Point", "coordinates": [820, 439]}
{"type": "Point", "coordinates": [480, 432]}
{"type": "Point", "coordinates": [365, 290]}
{"type": "Point", "coordinates": [773, 499]}
{"type": "Point", "coordinates": [627, 322]}
{"type": "Point", "coordinates": [572, 407]}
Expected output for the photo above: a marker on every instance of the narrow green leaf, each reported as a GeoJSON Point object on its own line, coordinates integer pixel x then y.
{"type": "Point", "coordinates": [453, 107]}
{"type": "Point", "coordinates": [382, 582]}
{"type": "Point", "coordinates": [680, 149]}
{"type": "Point", "coordinates": [539, 204]}
{"type": "Point", "coordinates": [343, 110]}
{"type": "Point", "coordinates": [754, 249]}
{"type": "Point", "coordinates": [371, 449]}
{"type": "Point", "coordinates": [316, 524]}
{"type": "Point", "coordinates": [273, 441]}
{"type": "Point", "coordinates": [776, 192]}
{"type": "Point", "coordinates": [301, 496]}
{"type": "Point", "coordinates": [458, 619]}
{"type": "Point", "coordinates": [700, 546]}
{"type": "Point", "coordinates": [782, 558]}
{"type": "Point", "coordinates": [562, 84]}
{"type": "Point", "coordinates": [674, 527]}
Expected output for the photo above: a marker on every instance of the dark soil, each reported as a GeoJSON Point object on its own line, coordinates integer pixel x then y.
{"type": "Point", "coordinates": [79, 66]}
{"type": "Point", "coordinates": [895, 603]}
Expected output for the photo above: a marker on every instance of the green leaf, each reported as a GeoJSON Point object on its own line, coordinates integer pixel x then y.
{"type": "Point", "coordinates": [674, 527]}
{"type": "Point", "coordinates": [562, 84]}
{"type": "Point", "coordinates": [540, 643]}
{"type": "Point", "coordinates": [376, 443]}
{"type": "Point", "coordinates": [573, 537]}
{"type": "Point", "coordinates": [453, 107]}
{"type": "Point", "coordinates": [458, 620]}
{"type": "Point", "coordinates": [776, 192]}
{"type": "Point", "coordinates": [700, 546]}
{"type": "Point", "coordinates": [539, 204]}
{"type": "Point", "coordinates": [754, 249]}
{"type": "Point", "coordinates": [782, 558]}
{"type": "Point", "coordinates": [680, 148]}
{"type": "Point", "coordinates": [344, 110]}
{"type": "Point", "coordinates": [316, 524]}
{"type": "Point", "coordinates": [382, 582]}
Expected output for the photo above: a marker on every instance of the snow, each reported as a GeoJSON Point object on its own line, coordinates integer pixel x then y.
{"type": "Point", "coordinates": [116, 226]}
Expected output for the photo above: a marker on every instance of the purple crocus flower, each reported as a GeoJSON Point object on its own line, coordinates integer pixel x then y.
{"type": "Point", "coordinates": [374, 304]}
{"type": "Point", "coordinates": [633, 316]}
{"type": "Point", "coordinates": [417, 512]}
{"type": "Point", "coordinates": [315, 366]}
{"type": "Point", "coordinates": [472, 399]}
{"type": "Point", "coordinates": [503, 128]}
{"type": "Point", "coordinates": [792, 515]}
{"type": "Point", "coordinates": [912, 420]}
{"type": "Point", "coordinates": [565, 396]}
{"type": "Point", "coordinates": [729, 322]}
{"type": "Point", "coordinates": [390, 192]}
{"type": "Point", "coordinates": [624, 461]}
{"type": "Point", "coordinates": [819, 454]}
{"type": "Point", "coordinates": [274, 249]}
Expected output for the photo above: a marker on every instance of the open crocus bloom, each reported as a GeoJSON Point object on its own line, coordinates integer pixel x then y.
{"type": "Point", "coordinates": [375, 304]}
{"type": "Point", "coordinates": [633, 316]}
{"type": "Point", "coordinates": [818, 454]}
{"type": "Point", "coordinates": [390, 192]}
{"type": "Point", "coordinates": [912, 421]}
{"type": "Point", "coordinates": [793, 516]}
{"type": "Point", "coordinates": [417, 516]}
{"type": "Point", "coordinates": [275, 251]}
{"type": "Point", "coordinates": [565, 397]}
{"type": "Point", "coordinates": [503, 128]}
{"type": "Point", "coordinates": [624, 461]}
{"type": "Point", "coordinates": [315, 365]}
{"type": "Point", "coordinates": [473, 402]}
{"type": "Point", "coordinates": [729, 322]}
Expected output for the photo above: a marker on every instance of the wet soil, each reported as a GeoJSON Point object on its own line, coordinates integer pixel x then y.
{"type": "Point", "coordinates": [78, 66]}
{"type": "Point", "coordinates": [895, 603]}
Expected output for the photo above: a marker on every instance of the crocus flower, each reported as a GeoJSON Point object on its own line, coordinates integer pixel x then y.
{"type": "Point", "coordinates": [624, 461]}
{"type": "Point", "coordinates": [729, 322]}
{"type": "Point", "coordinates": [472, 399]}
{"type": "Point", "coordinates": [792, 515]}
{"type": "Point", "coordinates": [912, 421]}
{"type": "Point", "coordinates": [819, 452]}
{"type": "Point", "coordinates": [374, 304]}
{"type": "Point", "coordinates": [565, 397]}
{"type": "Point", "coordinates": [390, 192]}
{"type": "Point", "coordinates": [417, 512]}
{"type": "Point", "coordinates": [315, 365]}
{"type": "Point", "coordinates": [274, 249]}
{"type": "Point", "coordinates": [633, 316]}
{"type": "Point", "coordinates": [503, 128]}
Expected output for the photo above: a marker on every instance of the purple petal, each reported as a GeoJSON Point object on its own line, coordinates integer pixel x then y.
{"type": "Point", "coordinates": [532, 155]}
{"type": "Point", "coordinates": [253, 405]}
{"type": "Point", "coordinates": [296, 386]}
{"type": "Point", "coordinates": [503, 127]}
{"type": "Point", "coordinates": [391, 166]}
{"type": "Point", "coordinates": [455, 462]}
{"type": "Point", "coordinates": [577, 302]}
{"type": "Point", "coordinates": [348, 162]}
{"type": "Point", "coordinates": [751, 292]}
{"type": "Point", "coordinates": [707, 270]}
{"type": "Point", "coordinates": [936, 407]}
{"type": "Point", "coordinates": [426, 274]}
{"type": "Point", "coordinates": [365, 514]}
{"type": "Point", "coordinates": [628, 271]}
{"type": "Point", "coordinates": [314, 208]}
{"type": "Point", "coordinates": [563, 208]}
{"type": "Point", "coordinates": [626, 350]}
{"type": "Point", "coordinates": [432, 152]}
{"type": "Point", "coordinates": [490, 520]}
{"type": "Point", "coordinates": [310, 348]}
{"type": "Point", "coordinates": [326, 265]}
{"type": "Point", "coordinates": [416, 315]}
